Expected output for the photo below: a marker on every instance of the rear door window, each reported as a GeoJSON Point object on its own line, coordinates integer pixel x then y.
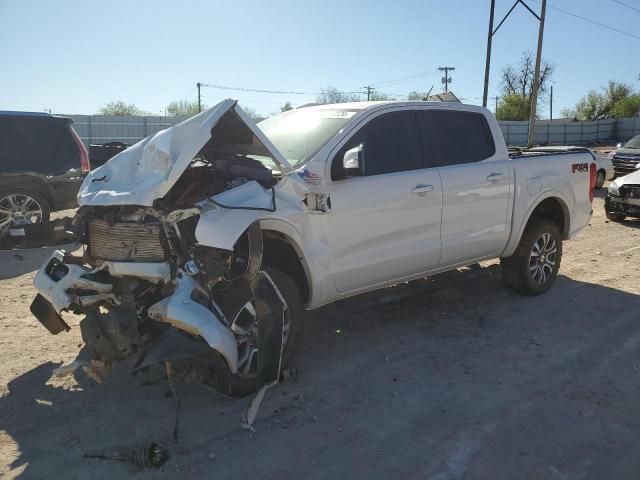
{"type": "Point", "coordinates": [390, 142]}
{"type": "Point", "coordinates": [457, 137]}
{"type": "Point", "coordinates": [41, 144]}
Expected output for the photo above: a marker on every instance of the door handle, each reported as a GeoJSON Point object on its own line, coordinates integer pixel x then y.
{"type": "Point", "coordinates": [495, 177]}
{"type": "Point", "coordinates": [421, 189]}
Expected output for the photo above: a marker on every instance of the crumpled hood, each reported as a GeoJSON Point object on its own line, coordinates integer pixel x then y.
{"type": "Point", "coordinates": [147, 170]}
{"type": "Point", "coordinates": [631, 179]}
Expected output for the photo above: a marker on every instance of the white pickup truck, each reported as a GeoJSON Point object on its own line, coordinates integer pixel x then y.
{"type": "Point", "coordinates": [208, 240]}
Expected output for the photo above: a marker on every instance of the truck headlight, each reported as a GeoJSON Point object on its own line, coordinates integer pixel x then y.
{"type": "Point", "coordinates": [613, 189]}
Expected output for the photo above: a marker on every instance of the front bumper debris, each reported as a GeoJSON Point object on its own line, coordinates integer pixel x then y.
{"type": "Point", "coordinates": [622, 206]}
{"type": "Point", "coordinates": [184, 313]}
{"type": "Point", "coordinates": [58, 282]}
{"type": "Point", "coordinates": [64, 284]}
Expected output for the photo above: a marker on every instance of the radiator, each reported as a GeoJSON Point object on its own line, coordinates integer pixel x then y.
{"type": "Point", "coordinates": [127, 242]}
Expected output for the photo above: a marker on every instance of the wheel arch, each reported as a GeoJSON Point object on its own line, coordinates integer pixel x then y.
{"type": "Point", "coordinates": [28, 182]}
{"type": "Point", "coordinates": [282, 251]}
{"type": "Point", "coordinates": [550, 205]}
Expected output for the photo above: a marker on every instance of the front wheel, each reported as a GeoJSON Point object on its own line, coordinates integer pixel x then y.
{"type": "Point", "coordinates": [238, 308]}
{"type": "Point", "coordinates": [534, 266]}
{"type": "Point", "coordinates": [600, 177]}
{"type": "Point", "coordinates": [615, 217]}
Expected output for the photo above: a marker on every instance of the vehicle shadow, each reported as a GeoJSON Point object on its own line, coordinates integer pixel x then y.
{"type": "Point", "coordinates": [17, 262]}
{"type": "Point", "coordinates": [631, 222]}
{"type": "Point", "coordinates": [443, 325]}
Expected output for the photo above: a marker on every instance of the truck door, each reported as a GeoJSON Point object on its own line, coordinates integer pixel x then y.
{"type": "Point", "coordinates": [476, 185]}
{"type": "Point", "coordinates": [385, 215]}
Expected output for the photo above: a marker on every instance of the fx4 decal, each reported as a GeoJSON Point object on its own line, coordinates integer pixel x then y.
{"type": "Point", "coordinates": [579, 167]}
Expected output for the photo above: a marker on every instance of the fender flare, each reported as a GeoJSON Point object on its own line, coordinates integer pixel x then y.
{"type": "Point", "coordinates": [514, 239]}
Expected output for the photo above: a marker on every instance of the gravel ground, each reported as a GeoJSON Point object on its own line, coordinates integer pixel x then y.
{"type": "Point", "coordinates": [461, 379]}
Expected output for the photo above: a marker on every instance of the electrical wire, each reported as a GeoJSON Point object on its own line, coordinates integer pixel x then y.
{"type": "Point", "coordinates": [593, 21]}
{"type": "Point", "coordinates": [404, 79]}
{"type": "Point", "coordinates": [259, 90]}
{"type": "Point", "coordinates": [626, 5]}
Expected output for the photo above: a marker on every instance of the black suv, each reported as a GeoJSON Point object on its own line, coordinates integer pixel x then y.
{"type": "Point", "coordinates": [627, 157]}
{"type": "Point", "coordinates": [42, 164]}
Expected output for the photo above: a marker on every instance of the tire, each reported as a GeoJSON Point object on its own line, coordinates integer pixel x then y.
{"type": "Point", "coordinates": [528, 272]}
{"type": "Point", "coordinates": [239, 385]}
{"type": "Point", "coordinates": [11, 194]}
{"type": "Point", "coordinates": [600, 178]}
{"type": "Point", "coordinates": [615, 217]}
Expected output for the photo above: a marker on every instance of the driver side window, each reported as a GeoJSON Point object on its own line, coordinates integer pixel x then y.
{"type": "Point", "coordinates": [386, 144]}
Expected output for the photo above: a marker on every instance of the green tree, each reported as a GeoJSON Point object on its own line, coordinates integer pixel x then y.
{"type": "Point", "coordinates": [121, 109]}
{"type": "Point", "coordinates": [600, 105]}
{"type": "Point", "coordinates": [627, 107]}
{"type": "Point", "coordinates": [380, 97]}
{"type": "Point", "coordinates": [415, 95]}
{"type": "Point", "coordinates": [286, 107]}
{"type": "Point", "coordinates": [184, 108]}
{"type": "Point", "coordinates": [251, 112]}
{"type": "Point", "coordinates": [513, 107]}
{"type": "Point", "coordinates": [333, 95]}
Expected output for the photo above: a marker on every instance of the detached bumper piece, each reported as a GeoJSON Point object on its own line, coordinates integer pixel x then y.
{"type": "Point", "coordinates": [47, 315]}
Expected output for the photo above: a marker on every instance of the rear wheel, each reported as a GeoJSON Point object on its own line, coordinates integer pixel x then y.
{"type": "Point", "coordinates": [239, 309]}
{"type": "Point", "coordinates": [21, 206]}
{"type": "Point", "coordinates": [600, 177]}
{"type": "Point", "coordinates": [534, 266]}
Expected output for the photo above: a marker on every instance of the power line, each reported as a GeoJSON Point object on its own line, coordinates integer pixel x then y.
{"type": "Point", "coordinates": [259, 90]}
{"type": "Point", "coordinates": [404, 79]}
{"type": "Point", "coordinates": [216, 98]}
{"type": "Point", "coordinates": [628, 6]}
{"type": "Point", "coordinates": [608, 27]}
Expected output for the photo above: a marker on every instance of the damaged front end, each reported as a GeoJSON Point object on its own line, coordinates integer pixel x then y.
{"type": "Point", "coordinates": [148, 284]}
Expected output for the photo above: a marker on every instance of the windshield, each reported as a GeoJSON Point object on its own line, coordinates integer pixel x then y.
{"type": "Point", "coordinates": [633, 143]}
{"type": "Point", "coordinates": [300, 134]}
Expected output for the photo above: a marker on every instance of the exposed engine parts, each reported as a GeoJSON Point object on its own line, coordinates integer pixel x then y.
{"type": "Point", "coordinates": [146, 286]}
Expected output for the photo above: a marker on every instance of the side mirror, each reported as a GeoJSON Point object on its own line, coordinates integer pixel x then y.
{"type": "Point", "coordinates": [619, 145]}
{"type": "Point", "coordinates": [352, 160]}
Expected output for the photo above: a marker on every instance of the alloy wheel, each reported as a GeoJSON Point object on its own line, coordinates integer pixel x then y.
{"type": "Point", "coordinates": [245, 328]}
{"type": "Point", "coordinates": [542, 259]}
{"type": "Point", "coordinates": [19, 209]}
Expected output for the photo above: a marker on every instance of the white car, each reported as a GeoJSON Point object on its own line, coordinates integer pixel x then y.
{"type": "Point", "coordinates": [206, 241]}
{"type": "Point", "coordinates": [604, 165]}
{"type": "Point", "coordinates": [623, 198]}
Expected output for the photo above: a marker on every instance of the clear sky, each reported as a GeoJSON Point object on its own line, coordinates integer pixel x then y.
{"type": "Point", "coordinates": [73, 56]}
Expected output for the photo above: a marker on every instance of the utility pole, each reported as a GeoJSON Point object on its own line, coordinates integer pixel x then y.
{"type": "Point", "coordinates": [496, 110]}
{"type": "Point", "coordinates": [369, 89]}
{"type": "Point", "coordinates": [487, 65]}
{"type": "Point", "coordinates": [551, 104]}
{"type": "Point", "coordinates": [536, 78]}
{"type": "Point", "coordinates": [446, 79]}
{"type": "Point", "coordinates": [492, 32]}
{"type": "Point", "coordinates": [199, 97]}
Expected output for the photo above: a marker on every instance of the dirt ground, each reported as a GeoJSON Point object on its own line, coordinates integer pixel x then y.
{"type": "Point", "coordinates": [461, 379]}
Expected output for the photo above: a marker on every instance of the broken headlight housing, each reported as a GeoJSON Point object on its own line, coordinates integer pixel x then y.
{"type": "Point", "coordinates": [614, 190]}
